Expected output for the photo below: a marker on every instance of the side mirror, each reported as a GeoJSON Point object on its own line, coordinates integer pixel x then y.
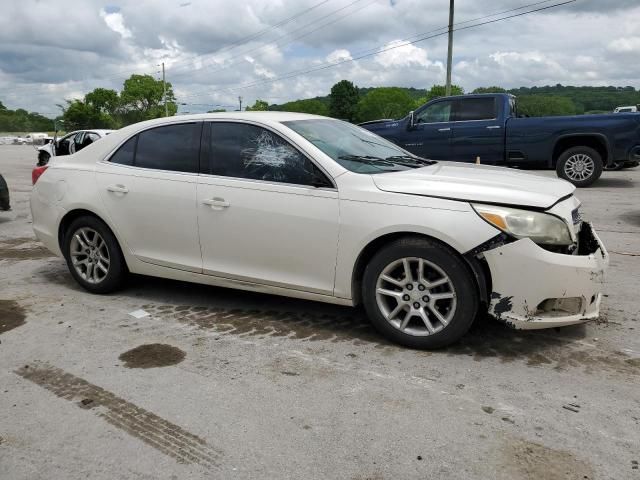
{"type": "Point", "coordinates": [412, 121]}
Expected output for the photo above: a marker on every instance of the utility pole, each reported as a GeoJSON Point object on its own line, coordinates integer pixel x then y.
{"type": "Point", "coordinates": [449, 50]}
{"type": "Point", "coordinates": [164, 91]}
{"type": "Point", "coordinates": [240, 100]}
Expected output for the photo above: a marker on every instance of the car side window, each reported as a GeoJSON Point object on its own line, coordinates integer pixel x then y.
{"type": "Point", "coordinates": [124, 155]}
{"type": "Point", "coordinates": [171, 147]}
{"type": "Point", "coordinates": [247, 151]}
{"type": "Point", "coordinates": [476, 109]}
{"type": "Point", "coordinates": [437, 112]}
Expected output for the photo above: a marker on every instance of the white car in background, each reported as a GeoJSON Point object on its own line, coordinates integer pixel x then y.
{"type": "Point", "coordinates": [316, 208]}
{"type": "Point", "coordinates": [70, 143]}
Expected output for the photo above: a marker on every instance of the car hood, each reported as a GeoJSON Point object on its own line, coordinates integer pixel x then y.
{"type": "Point", "coordinates": [476, 183]}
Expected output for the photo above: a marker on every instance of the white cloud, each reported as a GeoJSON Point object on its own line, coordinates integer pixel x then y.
{"type": "Point", "coordinates": [115, 21]}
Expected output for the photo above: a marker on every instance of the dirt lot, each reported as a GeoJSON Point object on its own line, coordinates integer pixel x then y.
{"type": "Point", "coordinates": [216, 383]}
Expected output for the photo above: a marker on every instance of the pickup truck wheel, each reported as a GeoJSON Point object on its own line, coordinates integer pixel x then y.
{"type": "Point", "coordinates": [580, 165]}
{"type": "Point", "coordinates": [419, 294]}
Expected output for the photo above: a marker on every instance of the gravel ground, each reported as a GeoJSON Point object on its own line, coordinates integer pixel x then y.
{"type": "Point", "coordinates": [216, 383]}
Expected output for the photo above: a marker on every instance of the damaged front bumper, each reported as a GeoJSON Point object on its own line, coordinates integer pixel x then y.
{"type": "Point", "coordinates": [536, 288]}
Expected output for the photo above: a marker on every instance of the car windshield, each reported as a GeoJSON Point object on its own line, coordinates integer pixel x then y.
{"type": "Point", "coordinates": [355, 148]}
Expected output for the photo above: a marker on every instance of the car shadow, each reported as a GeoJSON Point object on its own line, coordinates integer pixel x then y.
{"type": "Point", "coordinates": [223, 311]}
{"type": "Point", "coordinates": [605, 181]}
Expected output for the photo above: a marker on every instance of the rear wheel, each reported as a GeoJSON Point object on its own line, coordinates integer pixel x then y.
{"type": "Point", "coordinates": [93, 255]}
{"type": "Point", "coordinates": [419, 294]}
{"type": "Point", "coordinates": [580, 165]}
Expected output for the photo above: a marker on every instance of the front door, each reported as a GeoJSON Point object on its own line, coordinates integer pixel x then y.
{"type": "Point", "coordinates": [261, 219]}
{"type": "Point", "coordinates": [430, 136]}
{"type": "Point", "coordinates": [477, 132]}
{"type": "Point", "coordinates": [148, 187]}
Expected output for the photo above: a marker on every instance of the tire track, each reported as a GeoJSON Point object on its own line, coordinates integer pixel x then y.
{"type": "Point", "coordinates": [164, 436]}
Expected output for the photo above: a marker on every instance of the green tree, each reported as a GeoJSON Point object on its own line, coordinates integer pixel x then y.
{"type": "Point", "coordinates": [78, 115]}
{"type": "Point", "coordinates": [141, 99]}
{"type": "Point", "coordinates": [387, 102]}
{"type": "Point", "coordinates": [343, 100]}
{"type": "Point", "coordinates": [311, 105]}
{"type": "Point", "coordinates": [437, 91]}
{"type": "Point", "coordinates": [493, 89]}
{"type": "Point", "coordinates": [545, 106]}
{"type": "Point", "coordinates": [260, 105]}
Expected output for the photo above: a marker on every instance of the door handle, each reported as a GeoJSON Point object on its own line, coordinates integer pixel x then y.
{"type": "Point", "coordinates": [216, 203]}
{"type": "Point", "coordinates": [118, 189]}
{"type": "Point", "coordinates": [490, 127]}
{"type": "Point", "coordinates": [444, 129]}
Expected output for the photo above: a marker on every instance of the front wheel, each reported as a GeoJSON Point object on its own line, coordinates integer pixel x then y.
{"type": "Point", "coordinates": [580, 165]}
{"type": "Point", "coordinates": [93, 255]}
{"type": "Point", "coordinates": [419, 294]}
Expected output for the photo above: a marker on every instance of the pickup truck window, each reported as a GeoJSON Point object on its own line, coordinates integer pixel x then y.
{"type": "Point", "coordinates": [437, 112]}
{"type": "Point", "coordinates": [476, 109]}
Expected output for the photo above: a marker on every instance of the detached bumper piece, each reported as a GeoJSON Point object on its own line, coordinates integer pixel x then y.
{"type": "Point", "coordinates": [535, 288]}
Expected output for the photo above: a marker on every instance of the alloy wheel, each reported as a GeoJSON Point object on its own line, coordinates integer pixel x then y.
{"type": "Point", "coordinates": [89, 255]}
{"type": "Point", "coordinates": [579, 167]}
{"type": "Point", "coordinates": [416, 296]}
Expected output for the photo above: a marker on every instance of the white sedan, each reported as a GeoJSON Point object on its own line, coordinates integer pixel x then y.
{"type": "Point", "coordinates": [316, 208]}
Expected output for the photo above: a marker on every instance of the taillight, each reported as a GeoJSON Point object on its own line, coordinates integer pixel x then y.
{"type": "Point", "coordinates": [36, 173]}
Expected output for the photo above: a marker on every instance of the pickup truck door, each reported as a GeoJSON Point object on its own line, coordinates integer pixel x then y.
{"type": "Point", "coordinates": [430, 136]}
{"type": "Point", "coordinates": [477, 131]}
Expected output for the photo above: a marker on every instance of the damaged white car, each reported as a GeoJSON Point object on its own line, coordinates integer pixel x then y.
{"type": "Point", "coordinates": [316, 208]}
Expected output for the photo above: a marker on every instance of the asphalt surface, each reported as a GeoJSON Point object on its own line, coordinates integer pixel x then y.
{"type": "Point", "coordinates": [217, 383]}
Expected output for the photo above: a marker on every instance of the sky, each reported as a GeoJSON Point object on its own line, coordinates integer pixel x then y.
{"type": "Point", "coordinates": [281, 50]}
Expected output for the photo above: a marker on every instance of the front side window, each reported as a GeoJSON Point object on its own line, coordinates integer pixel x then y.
{"type": "Point", "coordinates": [247, 151]}
{"type": "Point", "coordinates": [476, 109]}
{"type": "Point", "coordinates": [438, 112]}
{"type": "Point", "coordinates": [174, 148]}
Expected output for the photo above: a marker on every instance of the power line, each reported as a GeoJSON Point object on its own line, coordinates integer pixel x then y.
{"type": "Point", "coordinates": [275, 42]}
{"type": "Point", "coordinates": [423, 38]}
{"type": "Point", "coordinates": [224, 48]}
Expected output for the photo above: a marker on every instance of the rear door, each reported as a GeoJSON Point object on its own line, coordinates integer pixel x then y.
{"type": "Point", "coordinates": [148, 187]}
{"type": "Point", "coordinates": [477, 131]}
{"type": "Point", "coordinates": [431, 135]}
{"type": "Point", "coordinates": [261, 218]}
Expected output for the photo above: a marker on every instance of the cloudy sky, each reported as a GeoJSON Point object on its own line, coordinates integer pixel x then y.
{"type": "Point", "coordinates": [279, 50]}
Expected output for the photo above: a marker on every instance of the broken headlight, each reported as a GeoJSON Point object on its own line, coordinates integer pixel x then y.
{"type": "Point", "coordinates": [540, 227]}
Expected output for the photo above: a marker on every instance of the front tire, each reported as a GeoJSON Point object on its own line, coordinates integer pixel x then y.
{"type": "Point", "coordinates": [580, 165]}
{"type": "Point", "coordinates": [419, 294]}
{"type": "Point", "coordinates": [93, 255]}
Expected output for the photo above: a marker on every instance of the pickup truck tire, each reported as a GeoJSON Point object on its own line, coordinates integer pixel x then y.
{"type": "Point", "coordinates": [420, 294]}
{"type": "Point", "coordinates": [579, 165]}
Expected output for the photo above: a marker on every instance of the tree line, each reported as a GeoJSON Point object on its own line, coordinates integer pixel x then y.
{"type": "Point", "coordinates": [141, 98]}
{"type": "Point", "coordinates": [355, 104]}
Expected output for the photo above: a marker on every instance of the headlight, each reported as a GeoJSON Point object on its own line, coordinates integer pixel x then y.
{"type": "Point", "coordinates": [540, 227]}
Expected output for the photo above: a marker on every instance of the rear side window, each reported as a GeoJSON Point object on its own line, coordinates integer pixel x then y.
{"type": "Point", "coordinates": [172, 147]}
{"type": "Point", "coordinates": [248, 151]}
{"type": "Point", "coordinates": [124, 155]}
{"type": "Point", "coordinates": [476, 109]}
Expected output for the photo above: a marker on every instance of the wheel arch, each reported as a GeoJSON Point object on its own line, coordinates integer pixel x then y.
{"type": "Point", "coordinates": [481, 275]}
{"type": "Point", "coordinates": [71, 215]}
{"type": "Point", "coordinates": [597, 141]}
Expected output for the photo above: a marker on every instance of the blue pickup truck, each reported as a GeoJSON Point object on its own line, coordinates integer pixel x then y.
{"type": "Point", "coordinates": [465, 127]}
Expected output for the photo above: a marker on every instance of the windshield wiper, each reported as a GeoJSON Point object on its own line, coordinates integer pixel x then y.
{"type": "Point", "coordinates": [371, 160]}
{"type": "Point", "coordinates": [410, 158]}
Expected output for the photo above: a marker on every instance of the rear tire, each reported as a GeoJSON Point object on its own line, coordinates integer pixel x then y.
{"type": "Point", "coordinates": [579, 165]}
{"type": "Point", "coordinates": [93, 255]}
{"type": "Point", "coordinates": [430, 307]}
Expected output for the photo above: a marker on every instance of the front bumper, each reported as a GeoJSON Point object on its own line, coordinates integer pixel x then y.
{"type": "Point", "coordinates": [535, 288]}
